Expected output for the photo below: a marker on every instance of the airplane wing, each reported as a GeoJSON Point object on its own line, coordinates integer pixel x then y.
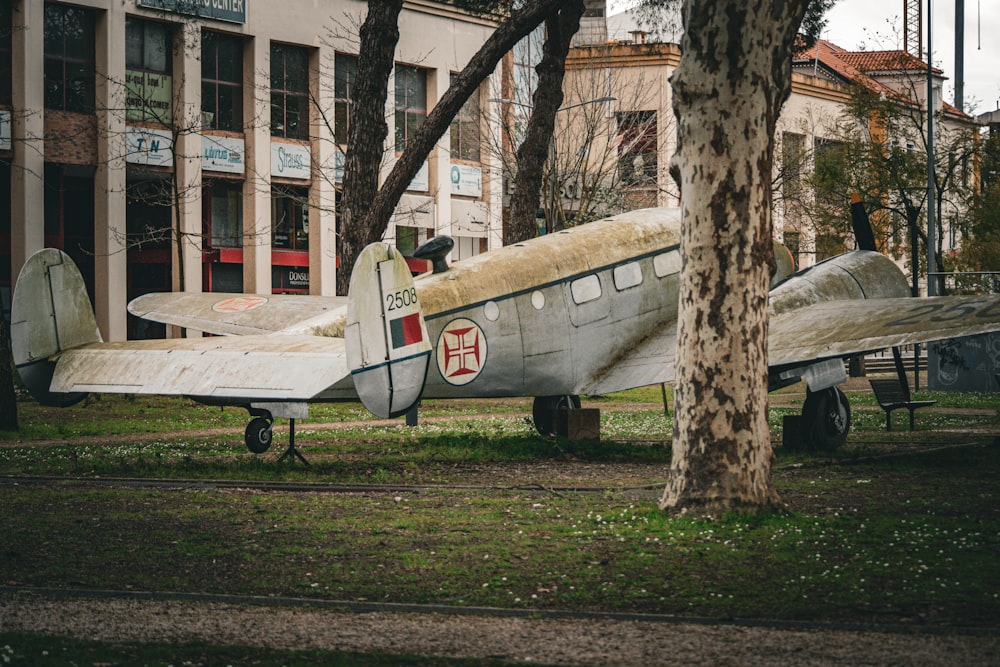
{"type": "Point", "coordinates": [649, 362]}
{"type": "Point", "coordinates": [270, 367]}
{"type": "Point", "coordinates": [841, 328]}
{"type": "Point", "coordinates": [236, 314]}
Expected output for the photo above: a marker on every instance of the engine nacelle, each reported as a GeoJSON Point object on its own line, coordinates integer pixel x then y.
{"type": "Point", "coordinates": [861, 274]}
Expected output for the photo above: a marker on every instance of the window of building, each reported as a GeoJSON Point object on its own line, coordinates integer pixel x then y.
{"type": "Point", "coordinates": [69, 216]}
{"type": "Point", "coordinates": [637, 156]}
{"type": "Point", "coordinates": [224, 213]}
{"type": "Point", "coordinates": [148, 84]}
{"type": "Point", "coordinates": [527, 55]}
{"type": "Point", "coordinates": [148, 222]}
{"type": "Point", "coordinates": [6, 52]}
{"type": "Point", "coordinates": [290, 218]}
{"type": "Point", "coordinates": [221, 82]}
{"type": "Point", "coordinates": [793, 155]}
{"type": "Point", "coordinates": [409, 239]}
{"type": "Point", "coordinates": [465, 130]}
{"type": "Point", "coordinates": [829, 160]}
{"type": "Point", "coordinates": [289, 91]}
{"type": "Point", "coordinates": [69, 58]}
{"type": "Point", "coordinates": [345, 68]}
{"type": "Point", "coordinates": [411, 103]}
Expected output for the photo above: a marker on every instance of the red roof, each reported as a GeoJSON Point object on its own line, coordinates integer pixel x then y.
{"type": "Point", "coordinates": [862, 67]}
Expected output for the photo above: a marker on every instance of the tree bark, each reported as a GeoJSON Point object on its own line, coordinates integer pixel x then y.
{"type": "Point", "coordinates": [536, 146]}
{"type": "Point", "coordinates": [368, 130]}
{"type": "Point", "coordinates": [364, 219]}
{"type": "Point", "coordinates": [8, 400]}
{"type": "Point", "coordinates": [733, 77]}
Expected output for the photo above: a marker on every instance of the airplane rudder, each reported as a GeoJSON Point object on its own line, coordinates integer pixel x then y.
{"type": "Point", "coordinates": [50, 312]}
{"type": "Point", "coordinates": [388, 348]}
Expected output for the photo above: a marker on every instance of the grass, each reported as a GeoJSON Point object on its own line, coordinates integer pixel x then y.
{"type": "Point", "coordinates": [894, 541]}
{"type": "Point", "coordinates": [43, 651]}
{"type": "Point", "coordinates": [910, 538]}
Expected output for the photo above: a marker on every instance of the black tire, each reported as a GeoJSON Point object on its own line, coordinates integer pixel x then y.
{"type": "Point", "coordinates": [826, 419]}
{"type": "Point", "coordinates": [542, 407]}
{"type": "Point", "coordinates": [258, 435]}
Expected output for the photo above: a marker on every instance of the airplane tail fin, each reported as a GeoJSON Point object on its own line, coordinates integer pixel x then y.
{"type": "Point", "coordinates": [50, 312]}
{"type": "Point", "coordinates": [863, 233]}
{"type": "Point", "coordinates": [388, 349]}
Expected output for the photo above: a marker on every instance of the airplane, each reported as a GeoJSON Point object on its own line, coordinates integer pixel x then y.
{"type": "Point", "coordinates": [584, 311]}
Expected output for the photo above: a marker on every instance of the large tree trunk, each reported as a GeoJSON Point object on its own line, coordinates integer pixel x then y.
{"type": "Point", "coordinates": [733, 77]}
{"type": "Point", "coordinates": [366, 135]}
{"type": "Point", "coordinates": [8, 401]}
{"type": "Point", "coordinates": [364, 219]}
{"type": "Point", "coordinates": [536, 146]}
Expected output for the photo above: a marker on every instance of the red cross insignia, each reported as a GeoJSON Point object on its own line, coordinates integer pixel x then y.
{"type": "Point", "coordinates": [461, 351]}
{"type": "Point", "coordinates": [239, 304]}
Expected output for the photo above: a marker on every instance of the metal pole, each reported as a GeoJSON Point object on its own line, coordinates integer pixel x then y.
{"type": "Point", "coordinates": [550, 221]}
{"type": "Point", "coordinates": [931, 194]}
{"type": "Point", "coordinates": [960, 54]}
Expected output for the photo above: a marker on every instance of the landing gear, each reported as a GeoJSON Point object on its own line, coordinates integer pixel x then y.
{"type": "Point", "coordinates": [543, 407]}
{"type": "Point", "coordinates": [826, 419]}
{"type": "Point", "coordinates": [258, 435]}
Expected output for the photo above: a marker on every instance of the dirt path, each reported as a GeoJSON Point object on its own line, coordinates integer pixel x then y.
{"type": "Point", "coordinates": [542, 640]}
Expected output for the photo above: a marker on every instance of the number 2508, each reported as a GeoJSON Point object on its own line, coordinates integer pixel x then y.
{"type": "Point", "coordinates": [401, 299]}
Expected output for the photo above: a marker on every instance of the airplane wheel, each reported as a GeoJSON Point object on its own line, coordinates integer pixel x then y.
{"type": "Point", "coordinates": [542, 407]}
{"type": "Point", "coordinates": [258, 435]}
{"type": "Point", "coordinates": [826, 419]}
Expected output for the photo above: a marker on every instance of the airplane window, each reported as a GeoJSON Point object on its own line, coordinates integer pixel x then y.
{"type": "Point", "coordinates": [627, 275]}
{"type": "Point", "coordinates": [538, 300]}
{"type": "Point", "coordinates": [491, 310]}
{"type": "Point", "coordinates": [667, 264]}
{"type": "Point", "coordinates": [586, 289]}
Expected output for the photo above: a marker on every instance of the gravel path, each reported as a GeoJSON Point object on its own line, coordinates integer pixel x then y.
{"type": "Point", "coordinates": [550, 641]}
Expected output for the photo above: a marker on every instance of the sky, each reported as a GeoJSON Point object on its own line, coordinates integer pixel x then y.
{"type": "Point", "coordinates": [878, 25]}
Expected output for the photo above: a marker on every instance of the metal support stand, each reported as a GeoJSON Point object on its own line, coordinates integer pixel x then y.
{"type": "Point", "coordinates": [292, 451]}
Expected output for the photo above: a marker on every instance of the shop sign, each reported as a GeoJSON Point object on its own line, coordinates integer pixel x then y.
{"type": "Point", "coordinates": [222, 154]}
{"type": "Point", "coordinates": [148, 146]}
{"type": "Point", "coordinates": [466, 180]}
{"type": "Point", "coordinates": [290, 160]}
{"type": "Point", "coordinates": [5, 140]}
{"type": "Point", "coordinates": [298, 277]}
{"type": "Point", "coordinates": [223, 10]}
{"type": "Point", "coordinates": [294, 277]}
{"type": "Point", "coordinates": [422, 181]}
{"type": "Point", "coordinates": [148, 96]}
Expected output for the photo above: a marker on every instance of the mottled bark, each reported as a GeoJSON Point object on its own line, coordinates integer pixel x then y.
{"type": "Point", "coordinates": [366, 135]}
{"type": "Point", "coordinates": [733, 77]}
{"type": "Point", "coordinates": [547, 98]}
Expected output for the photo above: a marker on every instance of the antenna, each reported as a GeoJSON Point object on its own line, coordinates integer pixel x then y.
{"type": "Point", "coordinates": [913, 27]}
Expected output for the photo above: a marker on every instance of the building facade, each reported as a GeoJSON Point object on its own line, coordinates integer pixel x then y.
{"type": "Point", "coordinates": [198, 145]}
{"type": "Point", "coordinates": [641, 130]}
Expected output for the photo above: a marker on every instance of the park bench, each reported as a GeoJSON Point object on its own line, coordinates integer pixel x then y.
{"type": "Point", "coordinates": [894, 394]}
